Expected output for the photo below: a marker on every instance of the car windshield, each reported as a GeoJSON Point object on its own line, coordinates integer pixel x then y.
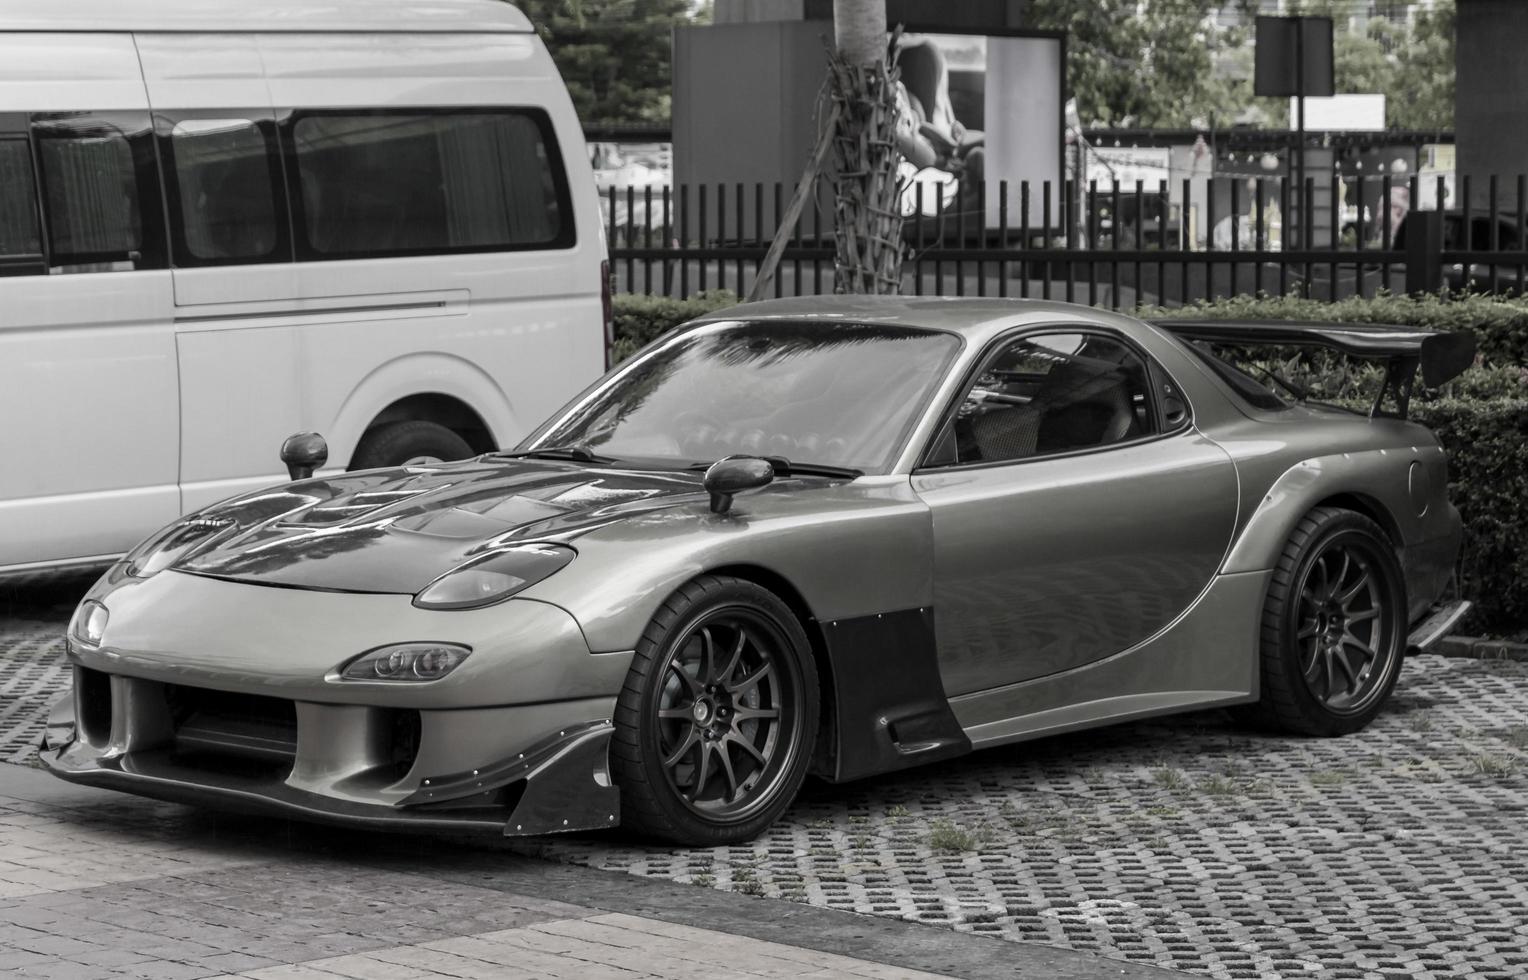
{"type": "Point", "coordinates": [840, 394]}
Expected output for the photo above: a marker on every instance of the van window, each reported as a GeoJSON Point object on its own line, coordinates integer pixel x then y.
{"type": "Point", "coordinates": [19, 236]}
{"type": "Point", "coordinates": [414, 182]}
{"type": "Point", "coordinates": [98, 179]}
{"type": "Point", "coordinates": [223, 205]}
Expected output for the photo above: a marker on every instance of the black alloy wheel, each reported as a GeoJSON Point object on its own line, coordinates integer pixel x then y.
{"type": "Point", "coordinates": [1340, 626]}
{"type": "Point", "coordinates": [1334, 626]}
{"type": "Point", "coordinates": [716, 721]}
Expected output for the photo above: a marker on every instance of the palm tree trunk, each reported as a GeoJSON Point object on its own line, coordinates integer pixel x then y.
{"type": "Point", "coordinates": [862, 85]}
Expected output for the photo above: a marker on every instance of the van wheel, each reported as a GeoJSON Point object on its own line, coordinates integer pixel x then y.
{"type": "Point", "coordinates": [415, 443]}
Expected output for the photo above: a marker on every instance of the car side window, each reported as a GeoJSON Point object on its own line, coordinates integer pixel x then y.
{"type": "Point", "coordinates": [1051, 393]}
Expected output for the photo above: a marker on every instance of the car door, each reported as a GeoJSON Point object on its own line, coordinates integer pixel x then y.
{"type": "Point", "coordinates": [1076, 510]}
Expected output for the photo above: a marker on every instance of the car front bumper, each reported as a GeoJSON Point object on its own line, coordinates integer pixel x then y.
{"type": "Point", "coordinates": [228, 694]}
{"type": "Point", "coordinates": [380, 768]}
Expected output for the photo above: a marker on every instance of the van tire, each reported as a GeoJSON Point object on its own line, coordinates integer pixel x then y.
{"type": "Point", "coordinates": [417, 441]}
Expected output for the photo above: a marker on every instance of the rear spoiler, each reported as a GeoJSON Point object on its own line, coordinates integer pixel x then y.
{"type": "Point", "coordinates": [1441, 356]}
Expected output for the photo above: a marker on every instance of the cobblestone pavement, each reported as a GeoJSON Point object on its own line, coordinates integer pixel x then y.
{"type": "Point", "coordinates": [95, 884]}
{"type": "Point", "coordinates": [1189, 842]}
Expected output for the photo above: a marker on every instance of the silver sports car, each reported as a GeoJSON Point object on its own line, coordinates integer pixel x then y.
{"type": "Point", "coordinates": [838, 536]}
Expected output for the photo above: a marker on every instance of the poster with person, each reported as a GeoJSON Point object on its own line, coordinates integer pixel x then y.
{"type": "Point", "coordinates": [978, 110]}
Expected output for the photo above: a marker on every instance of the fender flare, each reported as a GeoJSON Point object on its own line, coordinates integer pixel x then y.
{"type": "Point", "coordinates": [1302, 487]}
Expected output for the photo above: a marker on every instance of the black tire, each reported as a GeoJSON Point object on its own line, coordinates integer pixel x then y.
{"type": "Point", "coordinates": [718, 649]}
{"type": "Point", "coordinates": [401, 442]}
{"type": "Point", "coordinates": [1329, 663]}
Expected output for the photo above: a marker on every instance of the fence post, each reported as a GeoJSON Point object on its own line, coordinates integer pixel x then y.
{"type": "Point", "coordinates": [1424, 251]}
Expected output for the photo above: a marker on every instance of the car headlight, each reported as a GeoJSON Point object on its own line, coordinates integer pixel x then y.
{"type": "Point", "coordinates": [88, 625]}
{"type": "Point", "coordinates": [180, 540]}
{"type": "Point", "coordinates": [405, 662]}
{"type": "Point", "coordinates": [494, 578]}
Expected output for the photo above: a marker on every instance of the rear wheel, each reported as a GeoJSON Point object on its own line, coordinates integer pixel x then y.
{"type": "Point", "coordinates": [413, 443]}
{"type": "Point", "coordinates": [1334, 626]}
{"type": "Point", "coordinates": [715, 724]}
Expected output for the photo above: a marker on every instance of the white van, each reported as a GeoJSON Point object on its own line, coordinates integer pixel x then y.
{"type": "Point", "coordinates": [224, 222]}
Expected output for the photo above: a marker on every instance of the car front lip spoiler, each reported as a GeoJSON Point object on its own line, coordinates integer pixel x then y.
{"type": "Point", "coordinates": [565, 781]}
{"type": "Point", "coordinates": [1438, 624]}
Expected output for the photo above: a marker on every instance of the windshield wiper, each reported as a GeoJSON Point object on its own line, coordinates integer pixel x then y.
{"type": "Point", "coordinates": [784, 467]}
{"type": "Point", "coordinates": [579, 453]}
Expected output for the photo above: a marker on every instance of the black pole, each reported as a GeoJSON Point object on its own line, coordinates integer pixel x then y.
{"type": "Point", "coordinates": [1300, 125]}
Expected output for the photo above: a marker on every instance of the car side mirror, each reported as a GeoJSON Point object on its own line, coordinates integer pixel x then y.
{"type": "Point", "coordinates": [733, 475]}
{"type": "Point", "coordinates": [303, 453]}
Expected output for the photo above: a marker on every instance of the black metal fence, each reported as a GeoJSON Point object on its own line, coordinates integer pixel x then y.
{"type": "Point", "coordinates": [1116, 246]}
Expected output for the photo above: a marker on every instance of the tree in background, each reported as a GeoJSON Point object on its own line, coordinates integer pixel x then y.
{"type": "Point", "coordinates": [862, 85]}
{"type": "Point", "coordinates": [1171, 64]}
{"type": "Point", "coordinates": [1412, 64]}
{"type": "Point", "coordinates": [1421, 94]}
{"type": "Point", "coordinates": [1132, 64]}
{"type": "Point", "coordinates": [615, 55]}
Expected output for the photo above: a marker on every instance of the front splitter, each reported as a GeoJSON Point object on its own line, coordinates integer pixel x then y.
{"type": "Point", "coordinates": [562, 784]}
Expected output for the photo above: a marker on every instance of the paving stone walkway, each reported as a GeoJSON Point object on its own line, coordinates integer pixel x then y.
{"type": "Point", "coordinates": [96, 885]}
{"type": "Point", "coordinates": [1190, 843]}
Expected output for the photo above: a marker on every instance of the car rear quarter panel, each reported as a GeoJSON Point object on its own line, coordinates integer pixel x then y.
{"type": "Point", "coordinates": [1392, 470]}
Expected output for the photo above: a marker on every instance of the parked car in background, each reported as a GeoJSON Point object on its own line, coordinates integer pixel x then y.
{"type": "Point", "coordinates": [1486, 235]}
{"type": "Point", "coordinates": [841, 535]}
{"type": "Point", "coordinates": [220, 222]}
{"type": "Point", "coordinates": [627, 176]}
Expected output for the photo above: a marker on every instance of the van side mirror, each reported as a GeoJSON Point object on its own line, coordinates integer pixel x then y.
{"type": "Point", "coordinates": [303, 453]}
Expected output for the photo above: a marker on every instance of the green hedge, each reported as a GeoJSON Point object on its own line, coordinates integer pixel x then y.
{"type": "Point", "coordinates": [1487, 445]}
{"type": "Point", "coordinates": [637, 320]}
{"type": "Point", "coordinates": [1481, 419]}
{"type": "Point", "coordinates": [1500, 325]}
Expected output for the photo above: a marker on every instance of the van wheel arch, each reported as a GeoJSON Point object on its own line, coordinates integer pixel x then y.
{"type": "Point", "coordinates": [442, 410]}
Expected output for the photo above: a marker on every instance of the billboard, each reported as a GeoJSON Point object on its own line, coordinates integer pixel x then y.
{"type": "Point", "coordinates": [979, 110]}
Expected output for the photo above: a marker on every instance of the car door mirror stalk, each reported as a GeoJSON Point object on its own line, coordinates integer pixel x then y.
{"type": "Point", "coordinates": [734, 474]}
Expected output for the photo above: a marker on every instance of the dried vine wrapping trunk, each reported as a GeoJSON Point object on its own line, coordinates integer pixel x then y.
{"type": "Point", "coordinates": [867, 222]}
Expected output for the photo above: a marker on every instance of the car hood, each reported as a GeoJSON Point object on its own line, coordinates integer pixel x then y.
{"type": "Point", "coordinates": [396, 530]}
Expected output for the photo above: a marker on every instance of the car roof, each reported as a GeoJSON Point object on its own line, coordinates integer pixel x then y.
{"type": "Point", "coordinates": [271, 16]}
{"type": "Point", "coordinates": [976, 319]}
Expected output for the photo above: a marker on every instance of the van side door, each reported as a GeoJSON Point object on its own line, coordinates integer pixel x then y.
{"type": "Point", "coordinates": [237, 324]}
{"type": "Point", "coordinates": [88, 387]}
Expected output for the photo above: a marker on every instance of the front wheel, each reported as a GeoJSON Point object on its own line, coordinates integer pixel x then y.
{"type": "Point", "coordinates": [716, 721]}
{"type": "Point", "coordinates": [1334, 626]}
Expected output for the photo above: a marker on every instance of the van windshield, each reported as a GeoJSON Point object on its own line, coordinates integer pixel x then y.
{"type": "Point", "coordinates": [842, 395]}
